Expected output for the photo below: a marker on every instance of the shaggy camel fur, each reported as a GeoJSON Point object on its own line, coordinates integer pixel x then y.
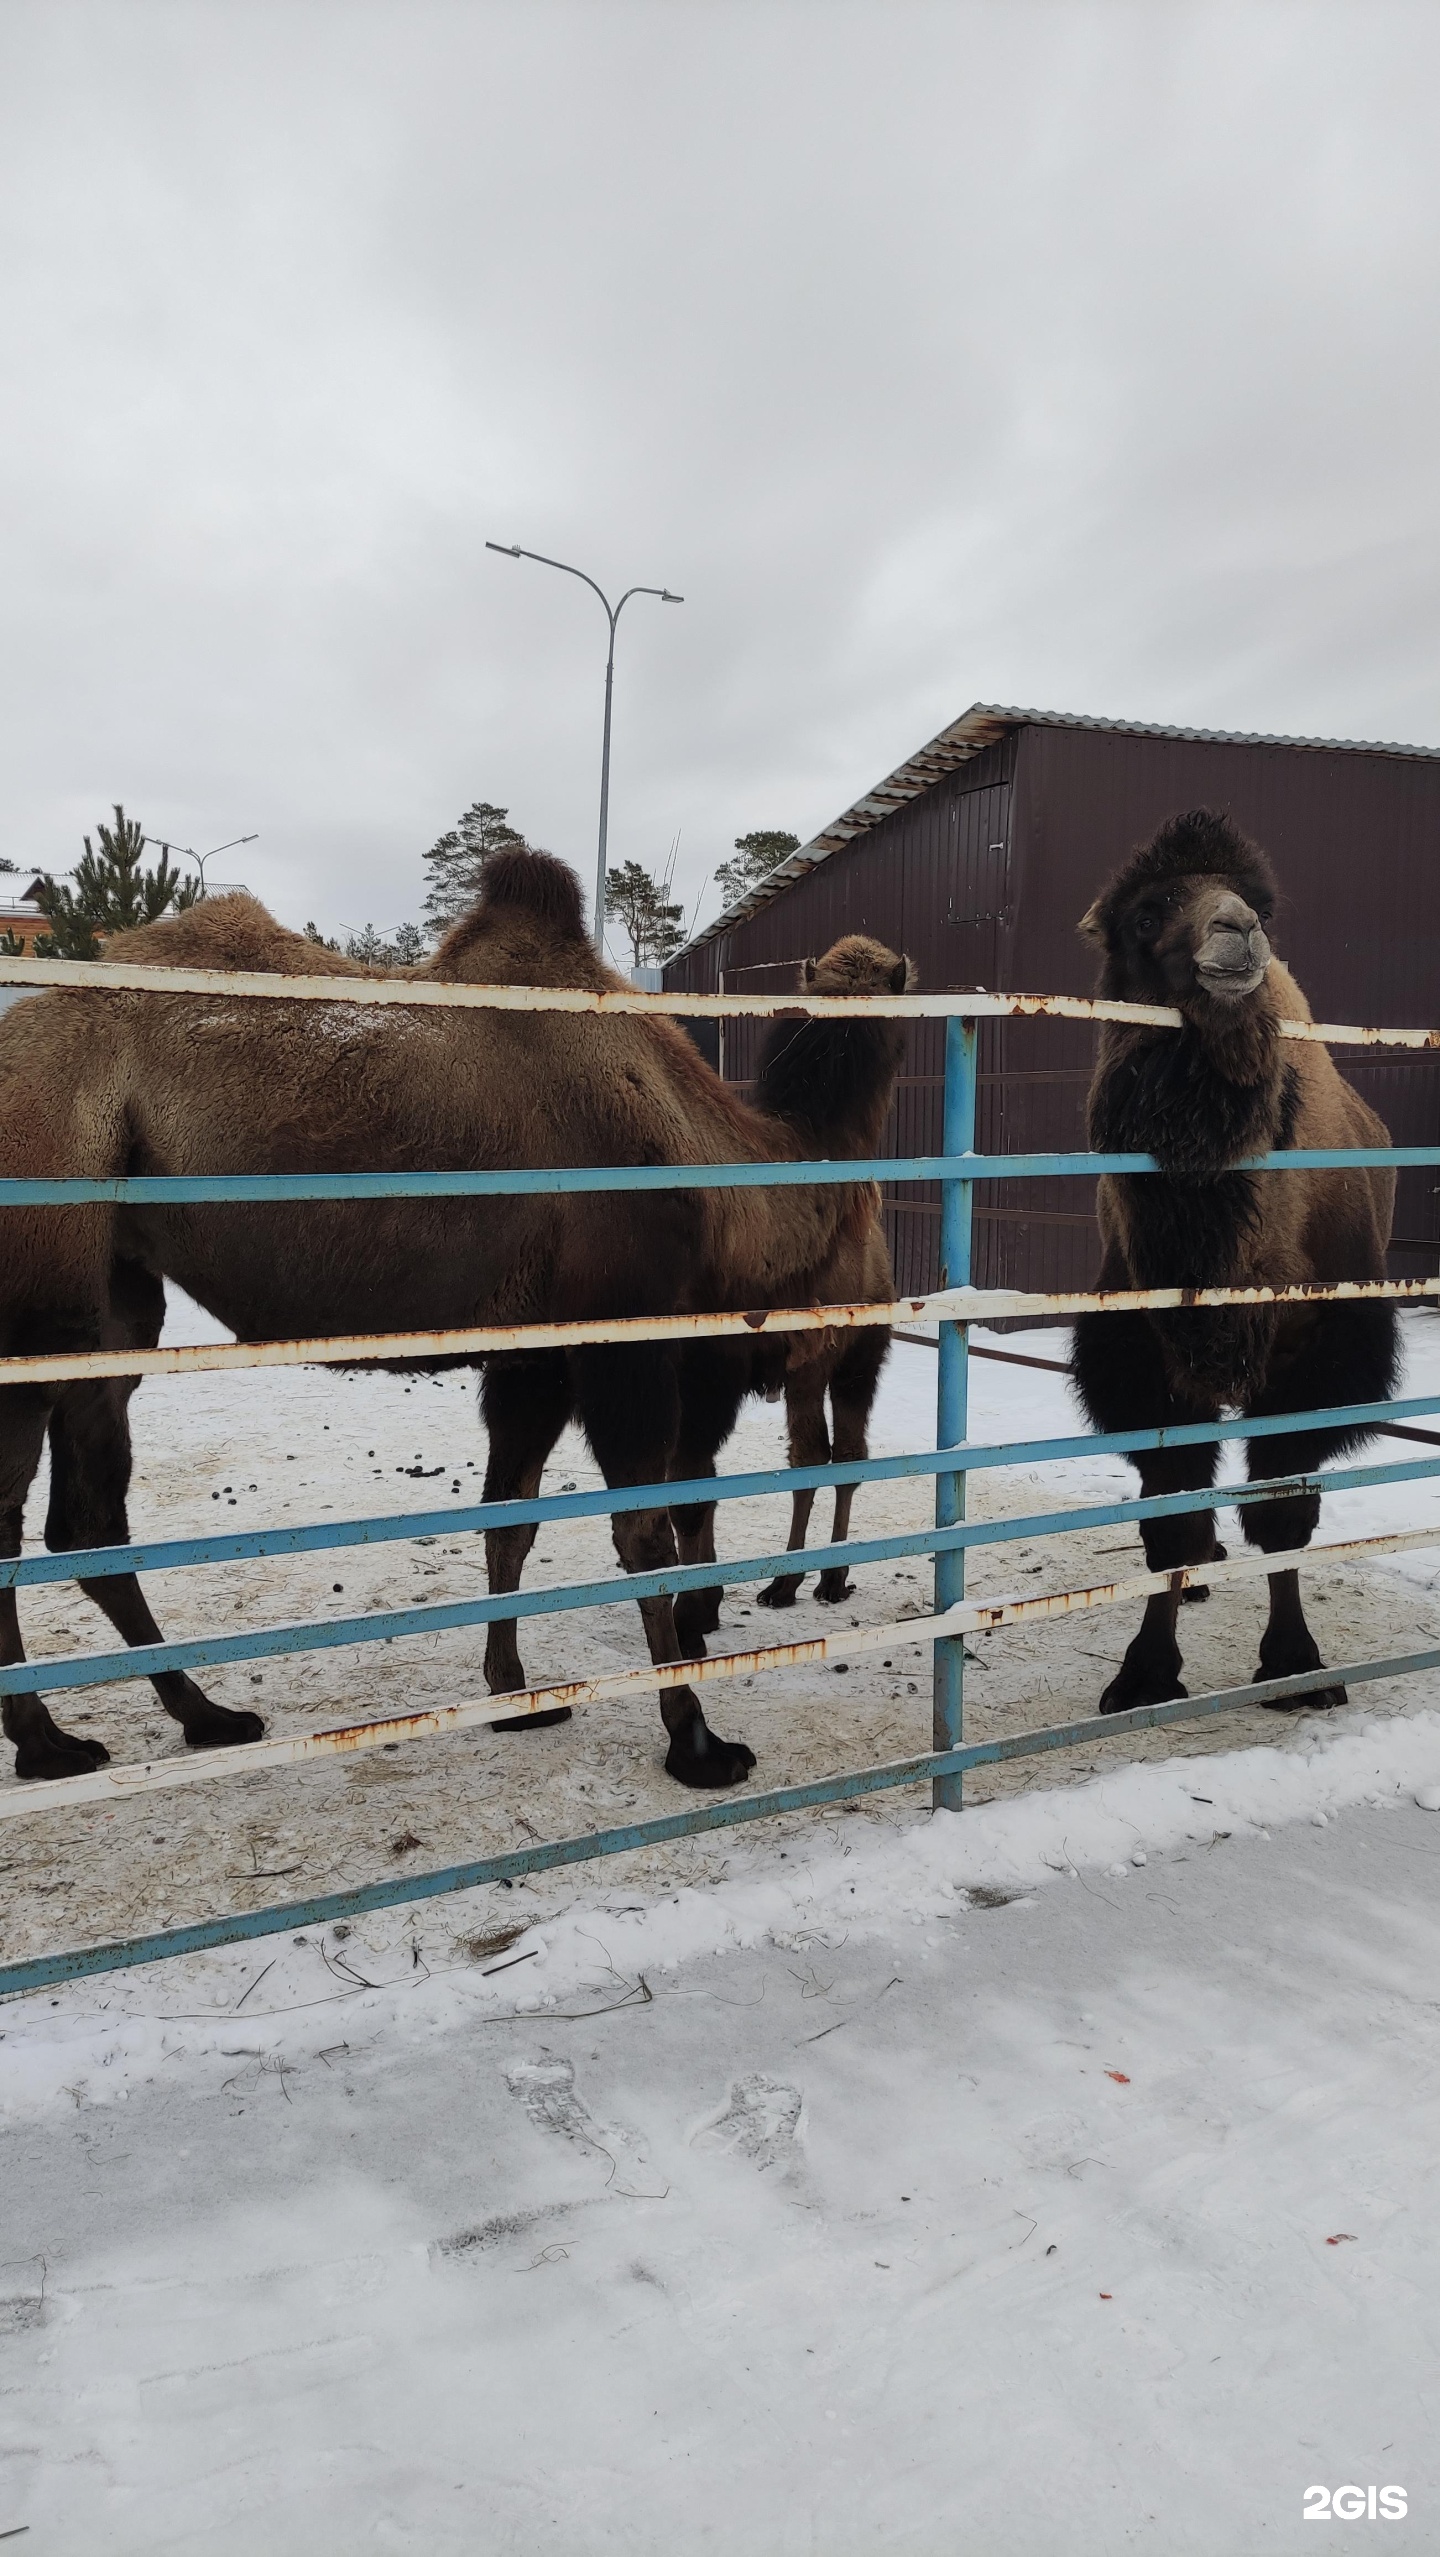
{"type": "Point", "coordinates": [716, 1376]}
{"type": "Point", "coordinates": [99, 1084]}
{"type": "Point", "coordinates": [527, 1401]}
{"type": "Point", "coordinates": [1185, 923]}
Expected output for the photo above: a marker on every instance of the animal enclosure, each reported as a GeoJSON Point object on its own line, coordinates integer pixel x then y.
{"type": "Point", "coordinates": [978, 854]}
{"type": "Point", "coordinates": [956, 1304]}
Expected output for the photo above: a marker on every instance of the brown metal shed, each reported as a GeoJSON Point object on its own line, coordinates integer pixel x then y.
{"type": "Point", "coordinates": [979, 856]}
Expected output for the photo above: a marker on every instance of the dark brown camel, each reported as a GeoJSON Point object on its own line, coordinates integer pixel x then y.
{"type": "Point", "coordinates": [528, 1401]}
{"type": "Point", "coordinates": [841, 1366]}
{"type": "Point", "coordinates": [99, 1084]}
{"type": "Point", "coordinates": [1185, 923]}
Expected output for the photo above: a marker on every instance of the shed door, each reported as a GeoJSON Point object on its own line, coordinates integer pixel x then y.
{"type": "Point", "coordinates": [978, 884]}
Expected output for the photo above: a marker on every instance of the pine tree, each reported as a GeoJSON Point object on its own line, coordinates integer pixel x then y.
{"type": "Point", "coordinates": [760, 853]}
{"type": "Point", "coordinates": [453, 865]}
{"type": "Point", "coordinates": [314, 933]}
{"type": "Point", "coordinates": [374, 951]}
{"type": "Point", "coordinates": [639, 901]}
{"type": "Point", "coordinates": [368, 948]}
{"type": "Point", "coordinates": [113, 892]}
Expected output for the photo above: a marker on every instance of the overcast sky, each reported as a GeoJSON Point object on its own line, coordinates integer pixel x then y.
{"type": "Point", "coordinates": [1068, 355]}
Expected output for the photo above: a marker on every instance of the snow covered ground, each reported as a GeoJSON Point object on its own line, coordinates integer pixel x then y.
{"type": "Point", "coordinates": [976, 2186]}
{"type": "Point", "coordinates": [264, 1447]}
{"type": "Point", "coordinates": [1059, 2176]}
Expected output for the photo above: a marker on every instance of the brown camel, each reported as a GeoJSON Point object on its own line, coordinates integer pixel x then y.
{"type": "Point", "coordinates": [1185, 923]}
{"type": "Point", "coordinates": [843, 1366]}
{"type": "Point", "coordinates": [528, 1400]}
{"type": "Point", "coordinates": [100, 1084]}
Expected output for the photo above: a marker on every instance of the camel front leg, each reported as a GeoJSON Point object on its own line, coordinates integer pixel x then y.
{"type": "Point", "coordinates": [629, 1403]}
{"type": "Point", "coordinates": [852, 1397]}
{"type": "Point", "coordinates": [1118, 1367]}
{"type": "Point", "coordinates": [1287, 1647]}
{"type": "Point", "coordinates": [42, 1749]}
{"type": "Point", "coordinates": [89, 1480]}
{"type": "Point", "coordinates": [1334, 1354]}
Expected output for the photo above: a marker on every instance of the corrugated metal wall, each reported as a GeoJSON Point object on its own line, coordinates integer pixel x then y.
{"type": "Point", "coordinates": [983, 879]}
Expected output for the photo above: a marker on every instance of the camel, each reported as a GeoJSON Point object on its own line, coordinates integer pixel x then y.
{"type": "Point", "coordinates": [1185, 923]}
{"type": "Point", "coordinates": [528, 1400]}
{"type": "Point", "coordinates": [100, 1084]}
{"type": "Point", "coordinates": [841, 1366]}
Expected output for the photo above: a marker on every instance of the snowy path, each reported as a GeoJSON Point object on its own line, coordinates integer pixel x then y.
{"type": "Point", "coordinates": [907, 2224]}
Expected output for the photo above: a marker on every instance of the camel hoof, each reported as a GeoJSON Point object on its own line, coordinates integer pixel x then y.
{"type": "Point", "coordinates": [533, 1722]}
{"type": "Point", "coordinates": [1123, 1695]}
{"type": "Point", "coordinates": [710, 1765]}
{"type": "Point", "coordinates": [833, 1587]}
{"type": "Point", "coordinates": [58, 1753]}
{"type": "Point", "coordinates": [1195, 1597]}
{"type": "Point", "coordinates": [778, 1593]}
{"type": "Point", "coordinates": [222, 1729]}
{"type": "Point", "coordinates": [1322, 1700]}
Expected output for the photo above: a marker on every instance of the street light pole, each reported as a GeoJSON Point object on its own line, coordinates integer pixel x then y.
{"type": "Point", "coordinates": [512, 550]}
{"type": "Point", "coordinates": [199, 858]}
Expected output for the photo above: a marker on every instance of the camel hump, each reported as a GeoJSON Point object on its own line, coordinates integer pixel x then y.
{"type": "Point", "coordinates": [539, 883]}
{"type": "Point", "coordinates": [232, 931]}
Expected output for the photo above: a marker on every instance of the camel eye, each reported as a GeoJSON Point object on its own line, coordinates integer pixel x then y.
{"type": "Point", "coordinates": [1147, 924]}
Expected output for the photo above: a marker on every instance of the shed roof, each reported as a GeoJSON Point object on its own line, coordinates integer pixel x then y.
{"type": "Point", "coordinates": [982, 725]}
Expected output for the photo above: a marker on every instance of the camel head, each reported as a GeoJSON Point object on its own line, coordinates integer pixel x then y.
{"type": "Point", "coordinates": [856, 965]}
{"type": "Point", "coordinates": [833, 1081]}
{"type": "Point", "coordinates": [1185, 921]}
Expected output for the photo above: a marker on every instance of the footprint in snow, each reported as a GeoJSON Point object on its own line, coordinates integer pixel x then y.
{"type": "Point", "coordinates": [546, 2088]}
{"type": "Point", "coordinates": [760, 2121]}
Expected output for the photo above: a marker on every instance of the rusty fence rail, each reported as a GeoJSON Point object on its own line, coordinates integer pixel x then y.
{"type": "Point", "coordinates": [955, 1306]}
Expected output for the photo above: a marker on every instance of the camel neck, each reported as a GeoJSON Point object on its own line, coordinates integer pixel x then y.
{"type": "Point", "coordinates": [831, 1082]}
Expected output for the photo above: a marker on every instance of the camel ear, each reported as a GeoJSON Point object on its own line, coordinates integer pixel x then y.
{"type": "Point", "coordinates": [1090, 927]}
{"type": "Point", "coordinates": [809, 972]}
{"type": "Point", "coordinates": [900, 976]}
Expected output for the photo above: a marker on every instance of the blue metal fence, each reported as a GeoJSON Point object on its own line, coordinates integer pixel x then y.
{"type": "Point", "coordinates": [950, 1462]}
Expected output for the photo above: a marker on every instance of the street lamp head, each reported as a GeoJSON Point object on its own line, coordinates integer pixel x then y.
{"type": "Point", "coordinates": [667, 598]}
{"type": "Point", "coordinates": [508, 550]}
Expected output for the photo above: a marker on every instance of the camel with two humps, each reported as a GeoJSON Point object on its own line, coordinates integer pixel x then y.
{"type": "Point", "coordinates": [101, 1084]}
{"type": "Point", "coordinates": [1186, 923]}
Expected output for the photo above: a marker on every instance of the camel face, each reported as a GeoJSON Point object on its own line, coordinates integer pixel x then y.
{"type": "Point", "coordinates": [857, 965]}
{"type": "Point", "coordinates": [1186, 936]}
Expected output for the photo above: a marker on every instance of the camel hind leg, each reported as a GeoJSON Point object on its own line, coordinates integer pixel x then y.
{"type": "Point", "coordinates": [713, 1381]}
{"type": "Point", "coordinates": [808, 1440]}
{"type": "Point", "coordinates": [1344, 1354]}
{"type": "Point", "coordinates": [42, 1749]}
{"type": "Point", "coordinates": [526, 1403]}
{"type": "Point", "coordinates": [629, 1402]}
{"type": "Point", "coordinates": [89, 1480]}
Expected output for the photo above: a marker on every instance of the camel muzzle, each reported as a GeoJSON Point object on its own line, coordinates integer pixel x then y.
{"type": "Point", "coordinates": [1233, 958]}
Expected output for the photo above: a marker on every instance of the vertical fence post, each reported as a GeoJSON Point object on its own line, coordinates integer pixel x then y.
{"type": "Point", "coordinates": [957, 1199]}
